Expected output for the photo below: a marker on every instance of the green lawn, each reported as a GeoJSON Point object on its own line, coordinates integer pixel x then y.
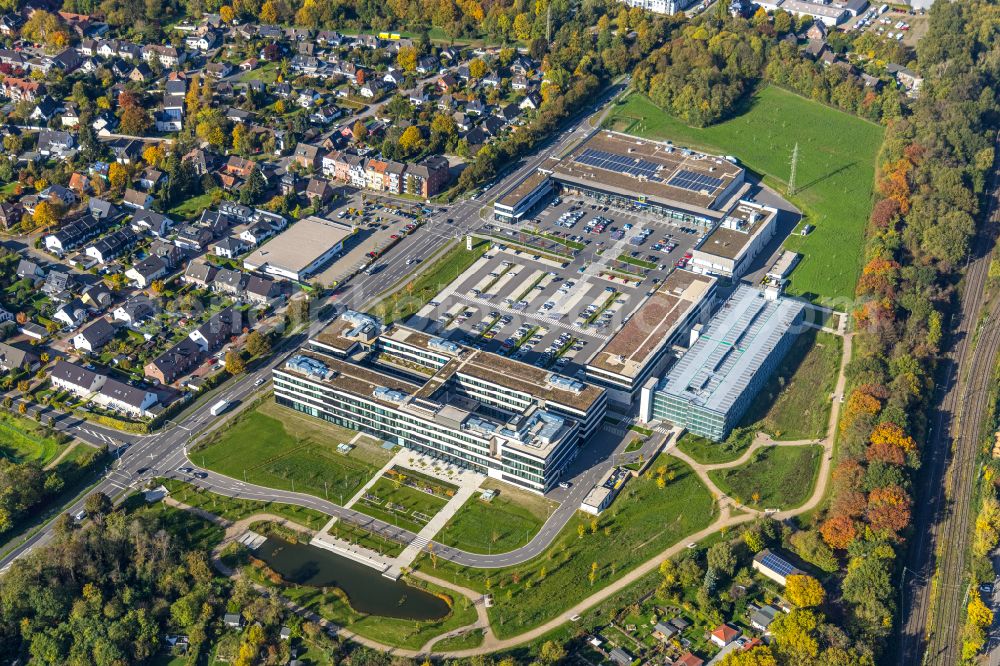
{"type": "Point", "coordinates": [467, 641]}
{"type": "Point", "coordinates": [642, 521]}
{"type": "Point", "coordinates": [836, 172]}
{"type": "Point", "coordinates": [191, 208]}
{"type": "Point", "coordinates": [400, 505]}
{"type": "Point", "coordinates": [363, 537]}
{"type": "Point", "coordinates": [405, 302]}
{"type": "Point", "coordinates": [708, 452]}
{"type": "Point", "coordinates": [777, 477]}
{"type": "Point", "coordinates": [233, 509]}
{"type": "Point", "coordinates": [497, 526]}
{"type": "Point", "coordinates": [24, 440]}
{"type": "Point", "coordinates": [280, 448]}
{"type": "Point", "coordinates": [193, 531]}
{"type": "Point", "coordinates": [795, 402]}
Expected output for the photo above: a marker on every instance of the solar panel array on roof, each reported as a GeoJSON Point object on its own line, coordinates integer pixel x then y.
{"type": "Point", "coordinates": [629, 166]}
{"type": "Point", "coordinates": [696, 182]}
{"type": "Point", "coordinates": [777, 564]}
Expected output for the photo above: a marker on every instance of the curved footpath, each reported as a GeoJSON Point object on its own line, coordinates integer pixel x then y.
{"type": "Point", "coordinates": [727, 518]}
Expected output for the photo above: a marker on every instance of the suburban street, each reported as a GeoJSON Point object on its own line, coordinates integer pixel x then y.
{"type": "Point", "coordinates": [139, 457]}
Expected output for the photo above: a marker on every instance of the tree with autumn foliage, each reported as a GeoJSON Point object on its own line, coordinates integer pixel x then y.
{"type": "Point", "coordinates": [888, 510]}
{"type": "Point", "coordinates": [804, 591]}
{"type": "Point", "coordinates": [838, 531]}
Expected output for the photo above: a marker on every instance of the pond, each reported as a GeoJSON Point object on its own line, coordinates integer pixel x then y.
{"type": "Point", "coordinates": [368, 590]}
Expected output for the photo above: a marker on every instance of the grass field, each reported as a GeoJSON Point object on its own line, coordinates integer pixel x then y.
{"type": "Point", "coordinates": [466, 641]}
{"type": "Point", "coordinates": [708, 452]}
{"type": "Point", "coordinates": [190, 208]}
{"type": "Point", "coordinates": [403, 303]}
{"type": "Point", "coordinates": [641, 522]}
{"type": "Point", "coordinates": [777, 477]}
{"type": "Point", "coordinates": [497, 526]}
{"type": "Point", "coordinates": [24, 440]}
{"type": "Point", "coordinates": [836, 172]}
{"type": "Point", "coordinates": [795, 402]}
{"type": "Point", "coordinates": [280, 448]}
{"type": "Point", "coordinates": [405, 503]}
{"type": "Point", "coordinates": [233, 509]}
{"type": "Point", "coordinates": [366, 539]}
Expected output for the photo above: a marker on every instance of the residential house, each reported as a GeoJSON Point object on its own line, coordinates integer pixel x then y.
{"type": "Point", "coordinates": [95, 336]}
{"type": "Point", "coordinates": [58, 195]}
{"type": "Point", "coordinates": [55, 143]}
{"type": "Point", "coordinates": [15, 358]}
{"type": "Point", "coordinates": [218, 70]}
{"type": "Point", "coordinates": [229, 282]}
{"type": "Point", "coordinates": [218, 330]}
{"type": "Point", "coordinates": [70, 115]}
{"type": "Point", "coordinates": [190, 237]}
{"type": "Point", "coordinates": [620, 657]}
{"type": "Point", "coordinates": [394, 175]}
{"type": "Point", "coordinates": [58, 285]}
{"type": "Point", "coordinates": [761, 618]}
{"type": "Point", "coordinates": [137, 199]}
{"type": "Point", "coordinates": [135, 310]}
{"type": "Point", "coordinates": [150, 179]}
{"type": "Point", "coordinates": [111, 246]}
{"type": "Point", "coordinates": [29, 270]}
{"type": "Point", "coordinates": [319, 190]}
{"type": "Point", "coordinates": [229, 247]}
{"type": "Point", "coordinates": [531, 101]}
{"type": "Point", "coordinates": [125, 398]}
{"type": "Point", "coordinates": [174, 363]}
{"type": "Point", "coordinates": [689, 659]}
{"type": "Point", "coordinates": [21, 90]}
{"type": "Point", "coordinates": [307, 156]}
{"type": "Point", "coordinates": [171, 255]}
{"type": "Point", "coordinates": [169, 56]}
{"type": "Point", "coordinates": [102, 210]}
{"type": "Point", "coordinates": [262, 290]}
{"type": "Point", "coordinates": [375, 174]}
{"type": "Point", "coordinates": [144, 272]}
{"type": "Point", "coordinates": [906, 77]}
{"type": "Point", "coordinates": [154, 223]}
{"type": "Point", "coordinates": [71, 314]}
{"type": "Point", "coordinates": [724, 634]}
{"type": "Point", "coordinates": [257, 233]}
{"type": "Point", "coordinates": [79, 183]}
{"type": "Point", "coordinates": [663, 631]}
{"type": "Point", "coordinates": [75, 379]}
{"type": "Point", "coordinates": [10, 214]}
{"type": "Point", "coordinates": [96, 296]}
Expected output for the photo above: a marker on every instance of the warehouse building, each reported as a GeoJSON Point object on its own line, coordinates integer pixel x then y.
{"type": "Point", "coordinates": [730, 248]}
{"type": "Point", "coordinates": [710, 388]}
{"type": "Point", "coordinates": [478, 410]}
{"type": "Point", "coordinates": [300, 250]}
{"type": "Point", "coordinates": [676, 183]}
{"type": "Point", "coordinates": [640, 349]}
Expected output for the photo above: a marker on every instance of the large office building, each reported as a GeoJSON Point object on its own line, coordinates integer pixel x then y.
{"type": "Point", "coordinates": [641, 348]}
{"type": "Point", "coordinates": [730, 248]}
{"type": "Point", "coordinates": [478, 410]}
{"type": "Point", "coordinates": [676, 183]}
{"type": "Point", "coordinates": [710, 388]}
{"type": "Point", "coordinates": [300, 250]}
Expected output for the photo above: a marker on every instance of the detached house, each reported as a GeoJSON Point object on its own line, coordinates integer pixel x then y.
{"type": "Point", "coordinates": [95, 336]}
{"type": "Point", "coordinates": [125, 398]}
{"type": "Point", "coordinates": [174, 363]}
{"type": "Point", "coordinates": [146, 271]}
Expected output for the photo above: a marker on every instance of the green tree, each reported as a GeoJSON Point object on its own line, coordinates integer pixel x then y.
{"type": "Point", "coordinates": [234, 363]}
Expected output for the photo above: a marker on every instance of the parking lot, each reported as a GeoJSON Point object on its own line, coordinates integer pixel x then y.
{"type": "Point", "coordinates": [519, 301]}
{"type": "Point", "coordinates": [380, 223]}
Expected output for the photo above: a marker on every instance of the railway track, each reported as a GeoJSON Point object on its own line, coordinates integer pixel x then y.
{"type": "Point", "coordinates": [943, 512]}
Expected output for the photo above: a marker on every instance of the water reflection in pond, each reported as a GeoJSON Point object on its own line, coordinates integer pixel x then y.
{"type": "Point", "coordinates": [368, 590]}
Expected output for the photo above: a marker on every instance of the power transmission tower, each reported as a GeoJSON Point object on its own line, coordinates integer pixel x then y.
{"type": "Point", "coordinates": [795, 164]}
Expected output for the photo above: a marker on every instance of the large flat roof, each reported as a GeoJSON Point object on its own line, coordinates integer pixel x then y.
{"type": "Point", "coordinates": [731, 349]}
{"type": "Point", "coordinates": [737, 230]}
{"type": "Point", "coordinates": [299, 246]}
{"type": "Point", "coordinates": [653, 324]}
{"type": "Point", "coordinates": [640, 167]}
{"type": "Point", "coordinates": [513, 196]}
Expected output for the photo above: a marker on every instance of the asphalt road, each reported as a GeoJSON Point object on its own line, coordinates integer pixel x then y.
{"type": "Point", "coordinates": [942, 511]}
{"type": "Point", "coordinates": [139, 458]}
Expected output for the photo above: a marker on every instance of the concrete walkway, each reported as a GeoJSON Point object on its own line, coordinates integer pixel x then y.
{"type": "Point", "coordinates": [440, 519]}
